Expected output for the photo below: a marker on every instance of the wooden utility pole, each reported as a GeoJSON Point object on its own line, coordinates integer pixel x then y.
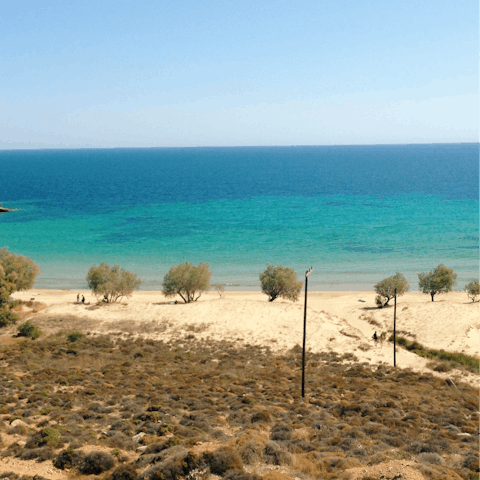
{"type": "Point", "coordinates": [307, 273]}
{"type": "Point", "coordinates": [395, 331]}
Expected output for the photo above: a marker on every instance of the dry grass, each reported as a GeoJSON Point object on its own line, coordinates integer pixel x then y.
{"type": "Point", "coordinates": [184, 409]}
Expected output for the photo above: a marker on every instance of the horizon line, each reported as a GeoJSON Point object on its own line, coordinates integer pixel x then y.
{"type": "Point", "coordinates": [238, 146]}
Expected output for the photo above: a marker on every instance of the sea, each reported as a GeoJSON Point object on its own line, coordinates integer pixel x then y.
{"type": "Point", "coordinates": [356, 214]}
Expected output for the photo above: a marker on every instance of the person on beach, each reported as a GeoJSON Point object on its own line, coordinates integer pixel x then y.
{"type": "Point", "coordinates": [83, 299]}
{"type": "Point", "coordinates": [375, 338]}
{"type": "Point", "coordinates": [78, 297]}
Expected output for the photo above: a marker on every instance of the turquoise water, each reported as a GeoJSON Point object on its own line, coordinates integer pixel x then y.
{"type": "Point", "coordinates": [352, 238]}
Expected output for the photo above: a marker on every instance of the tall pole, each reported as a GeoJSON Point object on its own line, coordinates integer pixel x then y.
{"type": "Point", "coordinates": [307, 273]}
{"type": "Point", "coordinates": [395, 331]}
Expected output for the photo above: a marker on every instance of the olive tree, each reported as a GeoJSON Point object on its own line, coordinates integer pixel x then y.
{"type": "Point", "coordinates": [472, 290]}
{"type": "Point", "coordinates": [16, 273]}
{"type": "Point", "coordinates": [280, 282]}
{"type": "Point", "coordinates": [386, 288]}
{"type": "Point", "coordinates": [112, 283]}
{"type": "Point", "coordinates": [188, 281]}
{"type": "Point", "coordinates": [438, 280]}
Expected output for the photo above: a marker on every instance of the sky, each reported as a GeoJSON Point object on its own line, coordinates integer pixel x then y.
{"type": "Point", "coordinates": [221, 73]}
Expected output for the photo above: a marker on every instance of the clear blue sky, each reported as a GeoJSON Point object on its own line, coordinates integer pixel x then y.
{"type": "Point", "coordinates": [189, 73]}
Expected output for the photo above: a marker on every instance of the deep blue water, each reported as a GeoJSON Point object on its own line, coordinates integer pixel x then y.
{"type": "Point", "coordinates": [356, 213]}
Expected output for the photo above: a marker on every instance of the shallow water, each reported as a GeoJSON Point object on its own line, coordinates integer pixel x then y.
{"type": "Point", "coordinates": [356, 214]}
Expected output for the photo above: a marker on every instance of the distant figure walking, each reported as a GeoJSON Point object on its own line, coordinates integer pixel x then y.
{"type": "Point", "coordinates": [375, 338]}
{"type": "Point", "coordinates": [83, 299]}
{"type": "Point", "coordinates": [78, 297]}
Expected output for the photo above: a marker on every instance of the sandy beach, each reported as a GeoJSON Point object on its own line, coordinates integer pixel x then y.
{"type": "Point", "coordinates": [341, 322]}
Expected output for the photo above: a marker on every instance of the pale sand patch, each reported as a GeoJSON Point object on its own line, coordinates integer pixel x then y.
{"type": "Point", "coordinates": [31, 468]}
{"type": "Point", "coordinates": [341, 322]}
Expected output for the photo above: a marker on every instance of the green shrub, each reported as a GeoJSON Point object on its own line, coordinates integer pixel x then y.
{"type": "Point", "coordinates": [29, 330]}
{"type": "Point", "coordinates": [74, 336]}
{"type": "Point", "coordinates": [456, 359]}
{"type": "Point", "coordinates": [472, 290]}
{"type": "Point", "coordinates": [51, 436]}
{"type": "Point", "coordinates": [7, 317]}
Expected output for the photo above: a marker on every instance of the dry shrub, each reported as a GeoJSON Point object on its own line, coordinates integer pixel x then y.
{"type": "Point", "coordinates": [252, 452]}
{"type": "Point", "coordinates": [124, 472]}
{"type": "Point", "coordinates": [222, 460]}
{"type": "Point", "coordinates": [238, 475]}
{"type": "Point", "coordinates": [68, 458]}
{"type": "Point", "coordinates": [263, 416]}
{"type": "Point", "coordinates": [308, 467]}
{"type": "Point", "coordinates": [171, 469]}
{"type": "Point", "coordinates": [433, 458]}
{"type": "Point", "coordinates": [40, 454]}
{"type": "Point", "coordinates": [276, 476]}
{"type": "Point", "coordinates": [281, 431]}
{"type": "Point", "coordinates": [120, 440]}
{"type": "Point", "coordinates": [275, 454]}
{"type": "Point", "coordinates": [95, 463]}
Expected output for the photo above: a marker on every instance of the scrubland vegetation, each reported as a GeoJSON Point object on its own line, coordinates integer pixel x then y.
{"type": "Point", "coordinates": [449, 360]}
{"type": "Point", "coordinates": [123, 408]}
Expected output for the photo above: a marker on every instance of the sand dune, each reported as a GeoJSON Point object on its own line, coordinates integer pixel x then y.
{"type": "Point", "coordinates": [342, 322]}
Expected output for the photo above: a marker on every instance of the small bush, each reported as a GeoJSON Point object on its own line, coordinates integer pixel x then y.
{"type": "Point", "coordinates": [277, 455]}
{"type": "Point", "coordinates": [40, 454]}
{"type": "Point", "coordinates": [433, 458]}
{"type": "Point", "coordinates": [7, 317]}
{"type": "Point", "coordinates": [74, 336]}
{"type": "Point", "coordinates": [252, 452]}
{"type": "Point", "coordinates": [51, 436]}
{"type": "Point", "coordinates": [281, 432]}
{"type": "Point", "coordinates": [29, 330]}
{"type": "Point", "coordinates": [68, 458]}
{"type": "Point", "coordinates": [262, 416]}
{"type": "Point", "coordinates": [95, 463]}
{"type": "Point", "coordinates": [124, 472]}
{"type": "Point", "coordinates": [472, 290]}
{"type": "Point", "coordinates": [222, 460]}
{"type": "Point", "coordinates": [172, 468]}
{"type": "Point", "coordinates": [237, 475]}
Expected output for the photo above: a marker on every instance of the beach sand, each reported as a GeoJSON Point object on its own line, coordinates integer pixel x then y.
{"type": "Point", "coordinates": [341, 322]}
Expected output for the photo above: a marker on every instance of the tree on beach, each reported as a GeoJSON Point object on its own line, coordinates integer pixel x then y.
{"type": "Point", "coordinates": [112, 283]}
{"type": "Point", "coordinates": [280, 282]}
{"type": "Point", "coordinates": [386, 289]}
{"type": "Point", "coordinates": [439, 280]}
{"type": "Point", "coordinates": [17, 273]}
{"type": "Point", "coordinates": [188, 281]}
{"type": "Point", "coordinates": [472, 290]}
{"type": "Point", "coordinates": [220, 288]}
